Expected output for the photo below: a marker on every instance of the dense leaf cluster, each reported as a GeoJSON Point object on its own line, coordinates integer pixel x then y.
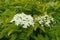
{"type": "Point", "coordinates": [9, 31]}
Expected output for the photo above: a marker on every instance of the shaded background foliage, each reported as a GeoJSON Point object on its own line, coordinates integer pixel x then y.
{"type": "Point", "coordinates": [9, 31]}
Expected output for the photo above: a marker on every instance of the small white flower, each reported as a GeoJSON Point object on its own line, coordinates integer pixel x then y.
{"type": "Point", "coordinates": [41, 21]}
{"type": "Point", "coordinates": [48, 23]}
{"type": "Point", "coordinates": [23, 19]}
{"type": "Point", "coordinates": [45, 20]}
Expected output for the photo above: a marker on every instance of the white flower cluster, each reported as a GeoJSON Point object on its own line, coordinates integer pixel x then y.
{"type": "Point", "coordinates": [27, 20]}
{"type": "Point", "coordinates": [45, 20]}
{"type": "Point", "coordinates": [23, 19]}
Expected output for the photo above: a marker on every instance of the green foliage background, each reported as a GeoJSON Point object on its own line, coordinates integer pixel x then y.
{"type": "Point", "coordinates": [9, 31]}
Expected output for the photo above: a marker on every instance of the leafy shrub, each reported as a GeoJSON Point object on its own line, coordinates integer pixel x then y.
{"type": "Point", "coordinates": [35, 8]}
